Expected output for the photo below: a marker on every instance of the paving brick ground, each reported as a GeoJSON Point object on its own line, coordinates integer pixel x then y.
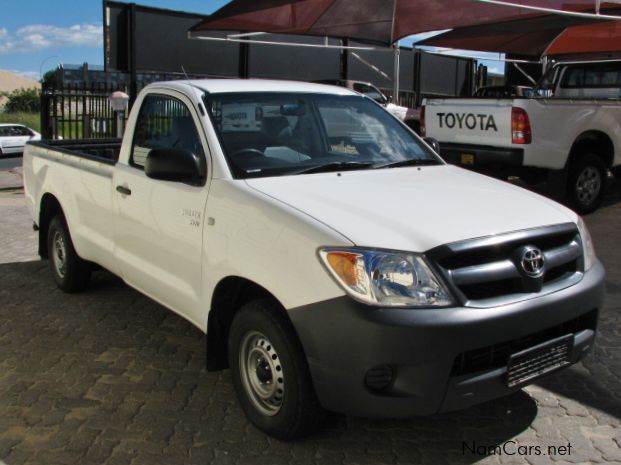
{"type": "Point", "coordinates": [18, 241]}
{"type": "Point", "coordinates": [110, 377]}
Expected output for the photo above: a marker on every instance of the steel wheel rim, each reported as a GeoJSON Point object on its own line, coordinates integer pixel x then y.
{"type": "Point", "coordinates": [59, 254]}
{"type": "Point", "coordinates": [261, 373]}
{"type": "Point", "coordinates": [588, 185]}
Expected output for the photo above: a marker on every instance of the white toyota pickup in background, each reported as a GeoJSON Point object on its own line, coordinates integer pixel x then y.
{"type": "Point", "coordinates": [569, 134]}
{"type": "Point", "coordinates": [333, 259]}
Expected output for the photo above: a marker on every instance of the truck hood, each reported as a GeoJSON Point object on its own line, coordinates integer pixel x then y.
{"type": "Point", "coordinates": [413, 209]}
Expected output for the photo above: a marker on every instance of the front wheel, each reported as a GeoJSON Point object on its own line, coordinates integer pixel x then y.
{"type": "Point", "coordinates": [71, 273]}
{"type": "Point", "coordinates": [585, 183]}
{"type": "Point", "coordinates": [270, 372]}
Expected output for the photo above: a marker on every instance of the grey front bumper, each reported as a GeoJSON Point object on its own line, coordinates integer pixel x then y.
{"type": "Point", "coordinates": [344, 339]}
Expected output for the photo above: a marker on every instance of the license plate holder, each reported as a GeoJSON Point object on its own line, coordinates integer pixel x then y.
{"type": "Point", "coordinates": [534, 362]}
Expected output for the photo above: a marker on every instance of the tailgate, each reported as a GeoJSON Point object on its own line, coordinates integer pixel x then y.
{"type": "Point", "coordinates": [484, 122]}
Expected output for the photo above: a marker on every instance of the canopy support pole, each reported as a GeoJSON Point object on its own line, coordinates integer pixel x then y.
{"type": "Point", "coordinates": [395, 77]}
{"type": "Point", "coordinates": [344, 64]}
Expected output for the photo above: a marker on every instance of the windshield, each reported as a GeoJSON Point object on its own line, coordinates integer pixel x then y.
{"type": "Point", "coordinates": [274, 134]}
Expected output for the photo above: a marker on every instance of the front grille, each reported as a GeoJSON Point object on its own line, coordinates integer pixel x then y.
{"type": "Point", "coordinates": [489, 268]}
{"type": "Point", "coordinates": [497, 355]}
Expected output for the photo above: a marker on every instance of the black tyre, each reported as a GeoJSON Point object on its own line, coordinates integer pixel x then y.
{"type": "Point", "coordinates": [270, 372]}
{"type": "Point", "coordinates": [586, 181]}
{"type": "Point", "coordinates": [71, 273]}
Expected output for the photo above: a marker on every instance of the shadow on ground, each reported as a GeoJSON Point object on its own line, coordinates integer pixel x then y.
{"type": "Point", "coordinates": [109, 376]}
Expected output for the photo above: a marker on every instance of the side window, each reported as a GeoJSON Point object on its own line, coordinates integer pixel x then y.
{"type": "Point", "coordinates": [574, 77]}
{"type": "Point", "coordinates": [592, 76]}
{"type": "Point", "coordinates": [163, 122]}
{"type": "Point", "coordinates": [609, 77]}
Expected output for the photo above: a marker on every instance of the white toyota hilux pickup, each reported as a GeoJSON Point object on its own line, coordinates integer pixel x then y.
{"type": "Point", "coordinates": [568, 135]}
{"type": "Point", "coordinates": [333, 259]}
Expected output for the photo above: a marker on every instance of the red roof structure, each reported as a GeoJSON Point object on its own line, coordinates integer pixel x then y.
{"type": "Point", "coordinates": [386, 21]}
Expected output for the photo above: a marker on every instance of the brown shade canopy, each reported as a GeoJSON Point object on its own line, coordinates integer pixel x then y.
{"type": "Point", "coordinates": [590, 38]}
{"type": "Point", "coordinates": [379, 21]}
{"type": "Point", "coordinates": [529, 36]}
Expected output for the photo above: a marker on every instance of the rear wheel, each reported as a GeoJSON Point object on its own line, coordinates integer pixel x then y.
{"type": "Point", "coordinates": [585, 183]}
{"type": "Point", "coordinates": [270, 372]}
{"type": "Point", "coordinates": [71, 273]}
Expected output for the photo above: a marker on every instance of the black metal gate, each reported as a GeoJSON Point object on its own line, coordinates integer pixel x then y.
{"type": "Point", "coordinates": [78, 111]}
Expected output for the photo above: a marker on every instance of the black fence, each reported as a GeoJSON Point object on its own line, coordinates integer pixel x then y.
{"type": "Point", "coordinates": [78, 111]}
{"type": "Point", "coordinates": [75, 100]}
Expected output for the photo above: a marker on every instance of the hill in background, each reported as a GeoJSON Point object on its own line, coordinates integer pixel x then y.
{"type": "Point", "coordinates": [11, 81]}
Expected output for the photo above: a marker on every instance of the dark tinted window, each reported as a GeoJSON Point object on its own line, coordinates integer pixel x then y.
{"type": "Point", "coordinates": [164, 122]}
{"type": "Point", "coordinates": [14, 131]}
{"type": "Point", "coordinates": [22, 131]}
{"type": "Point", "coordinates": [592, 75]}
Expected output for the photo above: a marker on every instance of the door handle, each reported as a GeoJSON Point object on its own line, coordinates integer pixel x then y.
{"type": "Point", "coordinates": [124, 190]}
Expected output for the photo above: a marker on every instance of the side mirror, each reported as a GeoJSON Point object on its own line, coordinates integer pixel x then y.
{"type": "Point", "coordinates": [433, 143]}
{"type": "Point", "coordinates": [175, 165]}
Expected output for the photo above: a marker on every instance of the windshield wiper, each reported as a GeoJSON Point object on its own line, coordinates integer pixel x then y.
{"type": "Point", "coordinates": [335, 166]}
{"type": "Point", "coordinates": [410, 162]}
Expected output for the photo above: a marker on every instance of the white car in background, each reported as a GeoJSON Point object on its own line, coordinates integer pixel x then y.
{"type": "Point", "coordinates": [13, 138]}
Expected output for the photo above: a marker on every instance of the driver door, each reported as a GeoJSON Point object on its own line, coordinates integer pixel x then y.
{"type": "Point", "coordinates": [159, 226]}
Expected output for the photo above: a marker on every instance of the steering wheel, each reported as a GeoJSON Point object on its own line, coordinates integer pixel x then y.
{"type": "Point", "coordinates": [248, 151]}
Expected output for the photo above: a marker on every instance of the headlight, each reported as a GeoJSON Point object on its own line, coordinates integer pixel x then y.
{"type": "Point", "coordinates": [376, 277]}
{"type": "Point", "coordinates": [587, 244]}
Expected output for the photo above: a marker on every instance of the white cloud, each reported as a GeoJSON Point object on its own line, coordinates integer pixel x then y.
{"type": "Point", "coordinates": [41, 36]}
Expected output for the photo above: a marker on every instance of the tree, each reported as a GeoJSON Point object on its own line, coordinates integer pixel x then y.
{"type": "Point", "coordinates": [50, 78]}
{"type": "Point", "coordinates": [23, 101]}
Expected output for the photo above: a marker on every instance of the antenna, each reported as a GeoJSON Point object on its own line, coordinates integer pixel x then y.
{"type": "Point", "coordinates": [185, 74]}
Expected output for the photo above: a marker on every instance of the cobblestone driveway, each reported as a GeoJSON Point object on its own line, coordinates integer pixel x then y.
{"type": "Point", "coordinates": [109, 376]}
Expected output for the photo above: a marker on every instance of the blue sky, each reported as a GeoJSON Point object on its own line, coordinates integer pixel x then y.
{"type": "Point", "coordinates": [36, 35]}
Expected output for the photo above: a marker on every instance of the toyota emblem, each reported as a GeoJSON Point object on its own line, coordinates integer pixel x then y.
{"type": "Point", "coordinates": [532, 262]}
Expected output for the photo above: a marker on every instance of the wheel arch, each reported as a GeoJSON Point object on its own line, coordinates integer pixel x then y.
{"type": "Point", "coordinates": [50, 207]}
{"type": "Point", "coordinates": [596, 142]}
{"type": "Point", "coordinates": [230, 294]}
